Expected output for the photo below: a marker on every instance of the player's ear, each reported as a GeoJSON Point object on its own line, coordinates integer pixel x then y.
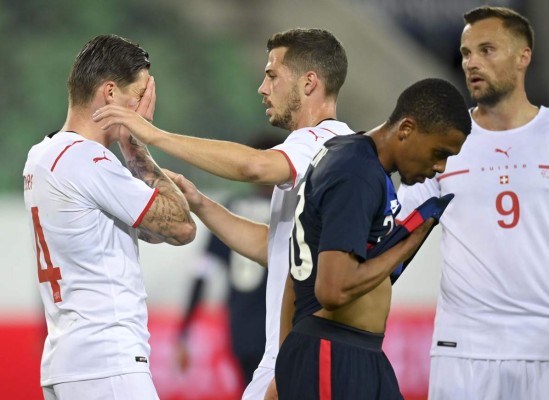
{"type": "Point", "coordinates": [311, 82]}
{"type": "Point", "coordinates": [524, 58]}
{"type": "Point", "coordinates": [406, 127]}
{"type": "Point", "coordinates": [108, 89]}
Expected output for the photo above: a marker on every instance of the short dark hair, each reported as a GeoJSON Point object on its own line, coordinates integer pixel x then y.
{"type": "Point", "coordinates": [512, 20]}
{"type": "Point", "coordinates": [313, 50]}
{"type": "Point", "coordinates": [435, 104]}
{"type": "Point", "coordinates": [105, 57]}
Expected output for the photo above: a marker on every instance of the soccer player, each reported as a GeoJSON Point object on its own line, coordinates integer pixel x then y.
{"type": "Point", "coordinates": [246, 281]}
{"type": "Point", "coordinates": [347, 205]}
{"type": "Point", "coordinates": [492, 318]}
{"type": "Point", "coordinates": [86, 212]}
{"type": "Point", "coordinates": [304, 73]}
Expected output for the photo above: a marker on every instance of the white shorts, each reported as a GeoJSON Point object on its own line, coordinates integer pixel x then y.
{"type": "Point", "coordinates": [453, 378]}
{"type": "Point", "coordinates": [119, 387]}
{"type": "Point", "coordinates": [258, 386]}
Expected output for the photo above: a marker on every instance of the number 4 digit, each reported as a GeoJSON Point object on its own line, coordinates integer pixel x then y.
{"type": "Point", "coordinates": [51, 274]}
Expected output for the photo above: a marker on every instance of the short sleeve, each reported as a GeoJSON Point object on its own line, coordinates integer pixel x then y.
{"type": "Point", "coordinates": [299, 148]}
{"type": "Point", "coordinates": [101, 181]}
{"type": "Point", "coordinates": [348, 207]}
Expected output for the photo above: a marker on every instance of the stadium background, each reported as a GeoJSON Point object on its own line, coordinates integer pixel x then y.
{"type": "Point", "coordinates": [208, 58]}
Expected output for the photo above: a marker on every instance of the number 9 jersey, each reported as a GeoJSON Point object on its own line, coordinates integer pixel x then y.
{"type": "Point", "coordinates": [495, 251]}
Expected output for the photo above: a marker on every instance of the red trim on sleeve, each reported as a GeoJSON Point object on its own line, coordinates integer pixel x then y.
{"type": "Point", "coordinates": [292, 168]}
{"type": "Point", "coordinates": [63, 152]}
{"type": "Point", "coordinates": [544, 166]}
{"type": "Point", "coordinates": [149, 204]}
{"type": "Point", "coordinates": [325, 370]}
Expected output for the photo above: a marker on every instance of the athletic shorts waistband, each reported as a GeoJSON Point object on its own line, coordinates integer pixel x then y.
{"type": "Point", "coordinates": [325, 329]}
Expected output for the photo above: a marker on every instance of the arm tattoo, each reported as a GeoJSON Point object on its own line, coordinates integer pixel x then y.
{"type": "Point", "coordinates": [170, 208]}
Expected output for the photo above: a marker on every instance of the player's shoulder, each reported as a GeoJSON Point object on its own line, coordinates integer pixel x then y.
{"type": "Point", "coordinates": [543, 116]}
{"type": "Point", "coordinates": [544, 111]}
{"type": "Point", "coordinates": [322, 132]}
{"type": "Point", "coordinates": [353, 148]}
{"type": "Point", "coordinates": [352, 156]}
{"type": "Point", "coordinates": [68, 143]}
{"type": "Point", "coordinates": [70, 151]}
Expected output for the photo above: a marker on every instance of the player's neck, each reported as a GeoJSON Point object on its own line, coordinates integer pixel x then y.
{"type": "Point", "coordinates": [313, 115]}
{"type": "Point", "coordinates": [509, 113]}
{"type": "Point", "coordinates": [79, 120]}
{"type": "Point", "coordinates": [384, 138]}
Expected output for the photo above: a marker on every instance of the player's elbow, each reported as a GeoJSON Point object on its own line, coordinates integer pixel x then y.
{"type": "Point", "coordinates": [330, 297]}
{"type": "Point", "coordinates": [185, 233]}
{"type": "Point", "coordinates": [260, 260]}
{"type": "Point", "coordinates": [254, 170]}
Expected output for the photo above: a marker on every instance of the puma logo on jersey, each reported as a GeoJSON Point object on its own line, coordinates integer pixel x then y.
{"type": "Point", "coordinates": [316, 136]}
{"type": "Point", "coordinates": [97, 159]}
{"type": "Point", "coordinates": [506, 152]}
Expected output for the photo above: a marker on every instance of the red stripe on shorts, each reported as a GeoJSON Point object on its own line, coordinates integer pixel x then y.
{"type": "Point", "coordinates": [325, 370]}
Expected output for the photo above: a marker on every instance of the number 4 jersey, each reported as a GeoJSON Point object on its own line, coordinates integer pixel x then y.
{"type": "Point", "coordinates": [83, 205]}
{"type": "Point", "coordinates": [494, 297]}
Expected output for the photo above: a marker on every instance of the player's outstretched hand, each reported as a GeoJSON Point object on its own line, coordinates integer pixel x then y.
{"type": "Point", "coordinates": [192, 194]}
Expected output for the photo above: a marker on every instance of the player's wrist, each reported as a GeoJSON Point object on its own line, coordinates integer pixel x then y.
{"type": "Point", "coordinates": [154, 136]}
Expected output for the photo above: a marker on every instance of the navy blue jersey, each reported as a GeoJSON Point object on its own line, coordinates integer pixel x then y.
{"type": "Point", "coordinates": [347, 203]}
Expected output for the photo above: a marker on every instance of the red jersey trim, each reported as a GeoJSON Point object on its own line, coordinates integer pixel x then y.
{"type": "Point", "coordinates": [449, 174]}
{"type": "Point", "coordinates": [149, 204]}
{"type": "Point", "coordinates": [413, 220]}
{"type": "Point", "coordinates": [332, 132]}
{"type": "Point", "coordinates": [544, 166]}
{"type": "Point", "coordinates": [63, 152]}
{"type": "Point", "coordinates": [292, 168]}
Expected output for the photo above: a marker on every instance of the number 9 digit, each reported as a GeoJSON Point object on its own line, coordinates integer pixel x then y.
{"type": "Point", "coordinates": [513, 210]}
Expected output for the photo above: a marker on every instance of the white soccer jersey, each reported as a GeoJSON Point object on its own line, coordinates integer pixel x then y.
{"type": "Point", "coordinates": [494, 295]}
{"type": "Point", "coordinates": [83, 206]}
{"type": "Point", "coordinates": [299, 148]}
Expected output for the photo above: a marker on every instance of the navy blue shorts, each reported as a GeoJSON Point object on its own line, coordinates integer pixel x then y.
{"type": "Point", "coordinates": [324, 360]}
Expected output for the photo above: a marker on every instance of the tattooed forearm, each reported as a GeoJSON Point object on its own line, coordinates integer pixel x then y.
{"type": "Point", "coordinates": [146, 170]}
{"type": "Point", "coordinates": [169, 218]}
{"type": "Point", "coordinates": [163, 217]}
{"type": "Point", "coordinates": [140, 163]}
{"type": "Point", "coordinates": [149, 237]}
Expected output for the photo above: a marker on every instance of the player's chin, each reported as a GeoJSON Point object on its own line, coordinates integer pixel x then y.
{"type": "Point", "coordinates": [409, 181]}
